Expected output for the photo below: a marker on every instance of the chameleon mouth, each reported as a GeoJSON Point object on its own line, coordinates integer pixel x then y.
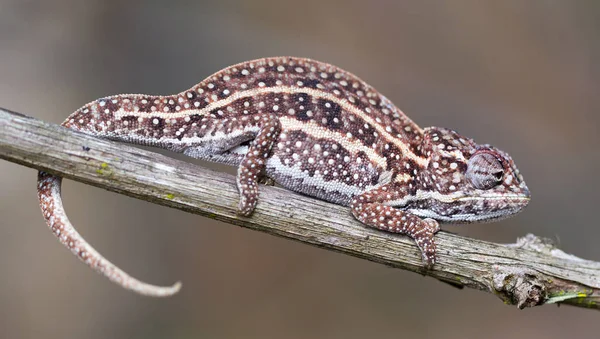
{"type": "Point", "coordinates": [522, 196]}
{"type": "Point", "coordinates": [455, 208]}
{"type": "Point", "coordinates": [512, 198]}
{"type": "Point", "coordinates": [470, 210]}
{"type": "Point", "coordinates": [517, 198]}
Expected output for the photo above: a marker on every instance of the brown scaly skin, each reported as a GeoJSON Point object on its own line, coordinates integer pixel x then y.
{"type": "Point", "coordinates": [314, 129]}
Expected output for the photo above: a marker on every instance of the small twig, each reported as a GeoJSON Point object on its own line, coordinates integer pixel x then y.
{"type": "Point", "coordinates": [529, 273]}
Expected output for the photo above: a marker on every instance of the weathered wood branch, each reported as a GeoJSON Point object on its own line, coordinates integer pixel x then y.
{"type": "Point", "coordinates": [529, 273]}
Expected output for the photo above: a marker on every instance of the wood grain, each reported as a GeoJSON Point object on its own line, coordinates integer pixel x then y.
{"type": "Point", "coordinates": [528, 273]}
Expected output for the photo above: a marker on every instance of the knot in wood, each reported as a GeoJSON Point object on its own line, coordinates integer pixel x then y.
{"type": "Point", "coordinates": [521, 288]}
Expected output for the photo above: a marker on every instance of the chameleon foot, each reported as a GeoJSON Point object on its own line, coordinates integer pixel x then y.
{"type": "Point", "coordinates": [375, 214]}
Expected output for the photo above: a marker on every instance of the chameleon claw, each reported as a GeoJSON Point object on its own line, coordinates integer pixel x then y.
{"type": "Point", "coordinates": [428, 259]}
{"type": "Point", "coordinates": [426, 242]}
{"type": "Point", "coordinates": [246, 206]}
{"type": "Point", "coordinates": [244, 212]}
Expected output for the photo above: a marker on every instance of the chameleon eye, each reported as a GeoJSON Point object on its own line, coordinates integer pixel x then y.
{"type": "Point", "coordinates": [484, 171]}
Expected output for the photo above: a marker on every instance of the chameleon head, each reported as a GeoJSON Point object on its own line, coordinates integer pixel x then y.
{"type": "Point", "coordinates": [466, 182]}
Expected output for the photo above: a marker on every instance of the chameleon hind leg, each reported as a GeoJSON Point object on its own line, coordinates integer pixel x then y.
{"type": "Point", "coordinates": [252, 167]}
{"type": "Point", "coordinates": [249, 150]}
{"type": "Point", "coordinates": [373, 209]}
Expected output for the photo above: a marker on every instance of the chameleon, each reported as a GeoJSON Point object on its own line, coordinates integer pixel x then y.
{"type": "Point", "coordinates": [315, 129]}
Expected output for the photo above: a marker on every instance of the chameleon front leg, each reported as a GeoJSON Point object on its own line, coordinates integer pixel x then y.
{"type": "Point", "coordinates": [373, 209]}
{"type": "Point", "coordinates": [252, 167]}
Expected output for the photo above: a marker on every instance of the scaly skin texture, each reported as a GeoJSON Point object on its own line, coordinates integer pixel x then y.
{"type": "Point", "coordinates": [314, 129]}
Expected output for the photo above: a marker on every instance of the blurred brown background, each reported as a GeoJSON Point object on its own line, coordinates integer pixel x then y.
{"type": "Point", "coordinates": [522, 75]}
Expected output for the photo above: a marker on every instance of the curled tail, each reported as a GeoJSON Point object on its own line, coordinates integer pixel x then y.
{"type": "Point", "coordinates": [54, 214]}
{"type": "Point", "coordinates": [99, 118]}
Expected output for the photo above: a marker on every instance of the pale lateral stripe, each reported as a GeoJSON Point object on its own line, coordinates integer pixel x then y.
{"type": "Point", "coordinates": [449, 198]}
{"type": "Point", "coordinates": [406, 152]}
{"type": "Point", "coordinates": [458, 218]}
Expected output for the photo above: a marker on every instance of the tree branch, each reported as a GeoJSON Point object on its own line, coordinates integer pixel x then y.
{"type": "Point", "coordinates": [529, 273]}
